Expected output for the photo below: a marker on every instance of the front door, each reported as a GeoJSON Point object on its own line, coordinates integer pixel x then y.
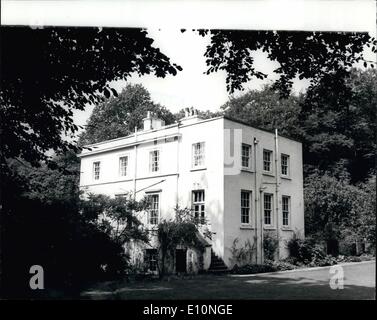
{"type": "Point", "coordinates": [180, 260]}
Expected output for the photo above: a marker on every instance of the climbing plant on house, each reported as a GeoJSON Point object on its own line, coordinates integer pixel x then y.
{"type": "Point", "coordinates": [185, 230]}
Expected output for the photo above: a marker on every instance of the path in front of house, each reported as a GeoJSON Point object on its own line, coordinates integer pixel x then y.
{"type": "Point", "coordinates": [314, 283]}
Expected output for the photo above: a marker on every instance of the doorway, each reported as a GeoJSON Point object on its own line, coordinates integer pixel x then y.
{"type": "Point", "coordinates": [180, 260]}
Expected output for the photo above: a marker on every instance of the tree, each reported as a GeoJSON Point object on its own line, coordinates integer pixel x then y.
{"type": "Point", "coordinates": [49, 185]}
{"type": "Point", "coordinates": [309, 55]}
{"type": "Point", "coordinates": [64, 69]}
{"type": "Point", "coordinates": [341, 126]}
{"type": "Point", "coordinates": [72, 249]}
{"type": "Point", "coordinates": [265, 109]}
{"type": "Point", "coordinates": [117, 217]}
{"type": "Point", "coordinates": [118, 116]}
{"type": "Point", "coordinates": [334, 208]}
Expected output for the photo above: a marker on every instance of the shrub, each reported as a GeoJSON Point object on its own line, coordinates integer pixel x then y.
{"type": "Point", "coordinates": [281, 265]}
{"type": "Point", "coordinates": [242, 255]}
{"type": "Point", "coordinates": [253, 268]}
{"type": "Point", "coordinates": [270, 245]}
{"type": "Point", "coordinates": [305, 250]}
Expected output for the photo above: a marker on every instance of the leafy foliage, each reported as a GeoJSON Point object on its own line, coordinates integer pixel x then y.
{"type": "Point", "coordinates": [309, 55]}
{"type": "Point", "coordinates": [335, 208]}
{"type": "Point", "coordinates": [341, 125]}
{"type": "Point", "coordinates": [242, 255]}
{"type": "Point", "coordinates": [76, 241]}
{"type": "Point", "coordinates": [117, 217]}
{"type": "Point", "coordinates": [47, 185]}
{"type": "Point", "coordinates": [52, 233]}
{"type": "Point", "coordinates": [64, 69]}
{"type": "Point", "coordinates": [118, 116]}
{"type": "Point", "coordinates": [304, 250]}
{"type": "Point", "coordinates": [265, 109]}
{"type": "Point", "coordinates": [270, 245]}
{"type": "Point", "coordinates": [183, 230]}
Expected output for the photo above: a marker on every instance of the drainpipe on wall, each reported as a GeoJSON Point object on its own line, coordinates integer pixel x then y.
{"type": "Point", "coordinates": [177, 186]}
{"type": "Point", "coordinates": [277, 190]}
{"type": "Point", "coordinates": [135, 167]}
{"type": "Point", "coordinates": [255, 200]}
{"type": "Point", "coordinates": [261, 189]}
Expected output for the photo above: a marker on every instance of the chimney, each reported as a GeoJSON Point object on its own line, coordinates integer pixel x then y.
{"type": "Point", "coordinates": [152, 122]}
{"type": "Point", "coordinates": [191, 116]}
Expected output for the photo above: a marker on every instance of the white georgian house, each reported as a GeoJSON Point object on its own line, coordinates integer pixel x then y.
{"type": "Point", "coordinates": [245, 181]}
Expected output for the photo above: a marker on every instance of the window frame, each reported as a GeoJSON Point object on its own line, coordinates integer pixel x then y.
{"type": "Point", "coordinates": [149, 254]}
{"type": "Point", "coordinates": [127, 165]}
{"type": "Point", "coordinates": [249, 156]}
{"type": "Point", "coordinates": [193, 155]}
{"type": "Point", "coordinates": [249, 193]}
{"type": "Point", "coordinates": [288, 165]}
{"type": "Point", "coordinates": [271, 210]}
{"type": "Point", "coordinates": [270, 152]}
{"type": "Point", "coordinates": [94, 175]}
{"type": "Point", "coordinates": [149, 217]}
{"type": "Point", "coordinates": [152, 160]}
{"type": "Point", "coordinates": [200, 215]}
{"type": "Point", "coordinates": [288, 211]}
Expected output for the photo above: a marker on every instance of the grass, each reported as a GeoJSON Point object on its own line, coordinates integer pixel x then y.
{"type": "Point", "coordinates": [297, 285]}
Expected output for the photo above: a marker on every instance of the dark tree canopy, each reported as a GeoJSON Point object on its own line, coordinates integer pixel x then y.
{"type": "Point", "coordinates": [266, 110]}
{"type": "Point", "coordinates": [47, 73]}
{"type": "Point", "coordinates": [309, 55]}
{"type": "Point", "coordinates": [118, 116]}
{"type": "Point", "coordinates": [341, 126]}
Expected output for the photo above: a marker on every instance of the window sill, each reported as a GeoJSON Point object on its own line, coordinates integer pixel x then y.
{"type": "Point", "coordinates": [286, 177]}
{"type": "Point", "coordinates": [247, 170]}
{"type": "Point", "coordinates": [269, 227]}
{"type": "Point", "coordinates": [270, 174]}
{"type": "Point", "coordinates": [286, 229]}
{"type": "Point", "coordinates": [246, 227]}
{"type": "Point", "coordinates": [198, 169]}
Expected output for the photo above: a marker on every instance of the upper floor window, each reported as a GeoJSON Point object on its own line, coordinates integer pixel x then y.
{"type": "Point", "coordinates": [123, 164]}
{"type": "Point", "coordinates": [286, 203]}
{"type": "Point", "coordinates": [198, 205]}
{"type": "Point", "coordinates": [96, 170]}
{"type": "Point", "coordinates": [285, 165]}
{"type": "Point", "coordinates": [246, 156]}
{"type": "Point", "coordinates": [245, 207]}
{"type": "Point", "coordinates": [267, 206]}
{"type": "Point", "coordinates": [267, 158]}
{"type": "Point", "coordinates": [154, 160]}
{"type": "Point", "coordinates": [154, 202]}
{"type": "Point", "coordinates": [198, 154]}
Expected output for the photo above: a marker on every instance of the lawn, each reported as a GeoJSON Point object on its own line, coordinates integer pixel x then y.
{"type": "Point", "coordinates": [298, 284]}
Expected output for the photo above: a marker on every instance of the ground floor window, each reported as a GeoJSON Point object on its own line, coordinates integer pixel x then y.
{"type": "Point", "coordinates": [151, 258]}
{"type": "Point", "coordinates": [267, 203]}
{"type": "Point", "coordinates": [286, 208]}
{"type": "Point", "coordinates": [245, 206]}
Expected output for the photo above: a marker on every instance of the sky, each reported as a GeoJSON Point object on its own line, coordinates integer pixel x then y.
{"type": "Point", "coordinates": [191, 87]}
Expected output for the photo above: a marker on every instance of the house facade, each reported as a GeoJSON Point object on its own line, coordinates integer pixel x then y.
{"type": "Point", "coordinates": [245, 182]}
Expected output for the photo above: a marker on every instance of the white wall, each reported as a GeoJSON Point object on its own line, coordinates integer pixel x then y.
{"type": "Point", "coordinates": [245, 180]}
